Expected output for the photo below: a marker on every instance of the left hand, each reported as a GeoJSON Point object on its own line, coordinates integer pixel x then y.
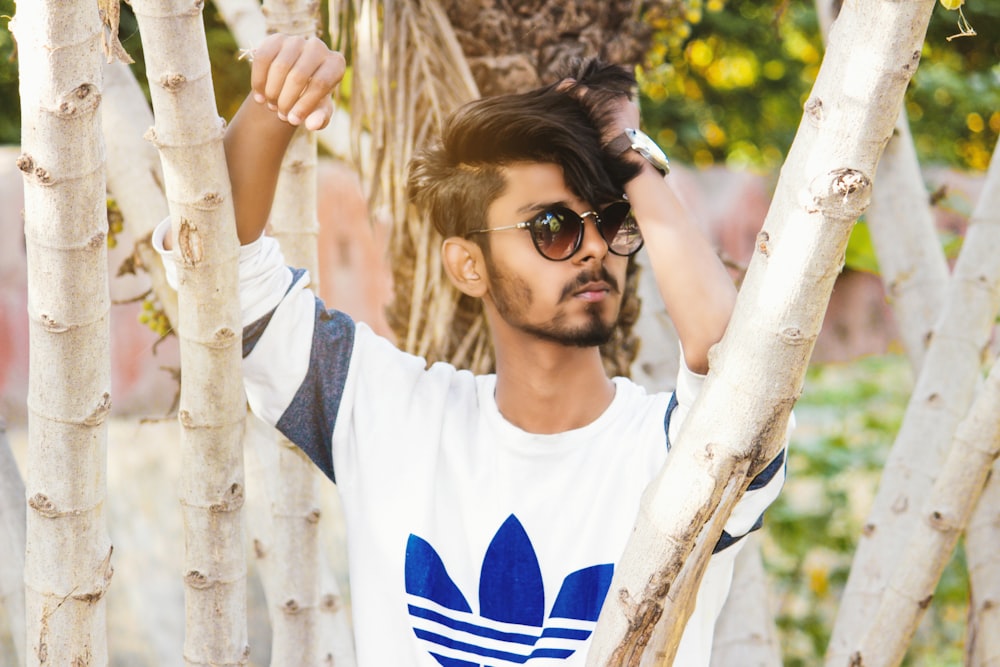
{"type": "Point", "coordinates": [294, 76]}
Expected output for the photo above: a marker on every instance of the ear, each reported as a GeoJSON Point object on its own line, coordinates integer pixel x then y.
{"type": "Point", "coordinates": [464, 264]}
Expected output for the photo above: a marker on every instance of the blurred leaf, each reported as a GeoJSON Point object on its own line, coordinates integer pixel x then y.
{"type": "Point", "coordinates": [860, 250]}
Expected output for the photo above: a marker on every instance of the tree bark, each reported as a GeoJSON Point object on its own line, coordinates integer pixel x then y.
{"type": "Point", "coordinates": [68, 551]}
{"type": "Point", "coordinates": [745, 634]}
{"type": "Point", "coordinates": [294, 548]}
{"type": "Point", "coordinates": [982, 643]}
{"type": "Point", "coordinates": [308, 622]}
{"type": "Point", "coordinates": [333, 644]}
{"type": "Point", "coordinates": [911, 584]}
{"type": "Point", "coordinates": [135, 178]}
{"type": "Point", "coordinates": [188, 134]}
{"type": "Point", "coordinates": [944, 391]}
{"type": "Point", "coordinates": [911, 262]}
{"type": "Point", "coordinates": [12, 520]}
{"type": "Point", "coordinates": [759, 366]}
{"type": "Point", "coordinates": [738, 633]}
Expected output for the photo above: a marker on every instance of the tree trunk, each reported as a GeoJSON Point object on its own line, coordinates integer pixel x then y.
{"type": "Point", "coordinates": [188, 133]}
{"type": "Point", "coordinates": [135, 178]}
{"type": "Point", "coordinates": [911, 584]}
{"type": "Point", "coordinates": [942, 396]}
{"type": "Point", "coordinates": [911, 262]}
{"type": "Point", "coordinates": [982, 644]}
{"type": "Point", "coordinates": [68, 552]}
{"type": "Point", "coordinates": [294, 549]}
{"type": "Point", "coordinates": [758, 368]}
{"type": "Point", "coordinates": [745, 634]}
{"type": "Point", "coordinates": [333, 644]}
{"type": "Point", "coordinates": [12, 518]}
{"type": "Point", "coordinates": [738, 633]}
{"type": "Point", "coordinates": [307, 619]}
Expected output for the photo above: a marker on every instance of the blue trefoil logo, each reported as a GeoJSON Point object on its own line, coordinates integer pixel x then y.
{"type": "Point", "coordinates": [511, 626]}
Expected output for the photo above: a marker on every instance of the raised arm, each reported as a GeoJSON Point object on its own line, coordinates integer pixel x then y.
{"type": "Point", "coordinates": [291, 82]}
{"type": "Point", "coordinates": [698, 292]}
{"type": "Point", "coordinates": [696, 288]}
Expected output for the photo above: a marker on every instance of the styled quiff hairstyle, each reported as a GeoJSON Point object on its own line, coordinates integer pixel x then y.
{"type": "Point", "coordinates": [456, 179]}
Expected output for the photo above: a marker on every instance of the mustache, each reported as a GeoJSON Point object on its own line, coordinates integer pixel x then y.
{"type": "Point", "coordinates": [583, 278]}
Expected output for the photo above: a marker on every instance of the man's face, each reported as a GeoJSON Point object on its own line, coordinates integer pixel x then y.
{"type": "Point", "coordinates": [571, 302]}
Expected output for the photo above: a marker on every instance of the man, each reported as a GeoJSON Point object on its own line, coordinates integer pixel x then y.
{"type": "Point", "coordinates": [486, 513]}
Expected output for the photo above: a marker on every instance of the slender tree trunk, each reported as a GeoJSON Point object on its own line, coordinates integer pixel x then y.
{"type": "Point", "coordinates": [295, 514]}
{"type": "Point", "coordinates": [738, 633]}
{"type": "Point", "coordinates": [309, 624]}
{"type": "Point", "coordinates": [911, 584]}
{"type": "Point", "coordinates": [911, 262]}
{"type": "Point", "coordinates": [68, 552]}
{"type": "Point", "coordinates": [334, 645]}
{"type": "Point", "coordinates": [135, 177]}
{"type": "Point", "coordinates": [982, 644]}
{"type": "Point", "coordinates": [745, 634]}
{"type": "Point", "coordinates": [942, 396]}
{"type": "Point", "coordinates": [12, 518]}
{"type": "Point", "coordinates": [758, 368]}
{"type": "Point", "coordinates": [188, 133]}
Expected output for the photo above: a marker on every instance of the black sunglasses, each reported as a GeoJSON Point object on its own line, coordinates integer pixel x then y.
{"type": "Point", "coordinates": [557, 232]}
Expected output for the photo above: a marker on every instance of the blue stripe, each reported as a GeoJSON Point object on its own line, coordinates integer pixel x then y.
{"type": "Point", "coordinates": [727, 540]}
{"type": "Point", "coordinates": [480, 631]}
{"type": "Point", "coordinates": [768, 473]}
{"type": "Point", "coordinates": [310, 417]}
{"type": "Point", "coordinates": [253, 331]}
{"type": "Point", "coordinates": [492, 653]}
{"type": "Point", "coordinates": [666, 417]}
{"type": "Point", "coordinates": [566, 633]}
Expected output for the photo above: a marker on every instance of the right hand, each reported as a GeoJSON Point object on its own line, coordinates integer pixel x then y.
{"type": "Point", "coordinates": [294, 77]}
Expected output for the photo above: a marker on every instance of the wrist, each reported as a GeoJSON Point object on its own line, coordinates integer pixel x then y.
{"type": "Point", "coordinates": [635, 146]}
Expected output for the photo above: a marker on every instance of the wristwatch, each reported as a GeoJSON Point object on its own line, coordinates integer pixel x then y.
{"type": "Point", "coordinates": [638, 141]}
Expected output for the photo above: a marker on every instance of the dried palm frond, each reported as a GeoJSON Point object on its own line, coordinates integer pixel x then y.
{"type": "Point", "coordinates": [409, 71]}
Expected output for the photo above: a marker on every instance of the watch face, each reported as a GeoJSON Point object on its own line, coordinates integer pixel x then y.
{"type": "Point", "coordinates": [648, 149]}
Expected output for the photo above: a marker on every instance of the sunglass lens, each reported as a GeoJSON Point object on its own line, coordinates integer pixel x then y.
{"type": "Point", "coordinates": [555, 233]}
{"type": "Point", "coordinates": [620, 229]}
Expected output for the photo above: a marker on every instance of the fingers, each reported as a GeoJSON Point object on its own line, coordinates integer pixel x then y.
{"type": "Point", "coordinates": [295, 76]}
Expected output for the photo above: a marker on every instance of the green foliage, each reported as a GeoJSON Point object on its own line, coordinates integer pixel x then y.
{"type": "Point", "coordinates": [10, 102]}
{"type": "Point", "coordinates": [728, 84]}
{"type": "Point", "coordinates": [847, 419]}
{"type": "Point", "coordinates": [860, 254]}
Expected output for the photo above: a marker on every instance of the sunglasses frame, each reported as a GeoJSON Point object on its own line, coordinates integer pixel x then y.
{"type": "Point", "coordinates": [582, 217]}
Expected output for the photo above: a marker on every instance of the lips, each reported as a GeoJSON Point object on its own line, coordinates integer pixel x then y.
{"type": "Point", "coordinates": [594, 291]}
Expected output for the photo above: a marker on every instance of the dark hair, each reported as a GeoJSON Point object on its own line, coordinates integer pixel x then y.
{"type": "Point", "coordinates": [454, 180]}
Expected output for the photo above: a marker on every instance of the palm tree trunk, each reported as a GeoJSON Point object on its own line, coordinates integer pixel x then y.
{"type": "Point", "coordinates": [188, 133]}
{"type": "Point", "coordinates": [824, 187]}
{"type": "Point", "coordinates": [68, 551]}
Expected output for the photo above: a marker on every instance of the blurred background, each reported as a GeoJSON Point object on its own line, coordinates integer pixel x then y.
{"type": "Point", "coordinates": [722, 91]}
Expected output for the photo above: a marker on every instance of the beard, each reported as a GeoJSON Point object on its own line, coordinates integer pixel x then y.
{"type": "Point", "coordinates": [512, 296]}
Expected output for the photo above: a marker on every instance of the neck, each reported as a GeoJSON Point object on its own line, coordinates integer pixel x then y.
{"type": "Point", "coordinates": [545, 387]}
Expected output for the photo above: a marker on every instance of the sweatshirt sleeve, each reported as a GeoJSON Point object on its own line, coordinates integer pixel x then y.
{"type": "Point", "coordinates": [296, 354]}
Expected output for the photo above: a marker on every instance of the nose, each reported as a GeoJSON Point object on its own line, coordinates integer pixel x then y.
{"type": "Point", "coordinates": [593, 244]}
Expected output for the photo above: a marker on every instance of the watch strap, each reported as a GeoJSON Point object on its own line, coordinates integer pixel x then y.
{"type": "Point", "coordinates": [618, 145]}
